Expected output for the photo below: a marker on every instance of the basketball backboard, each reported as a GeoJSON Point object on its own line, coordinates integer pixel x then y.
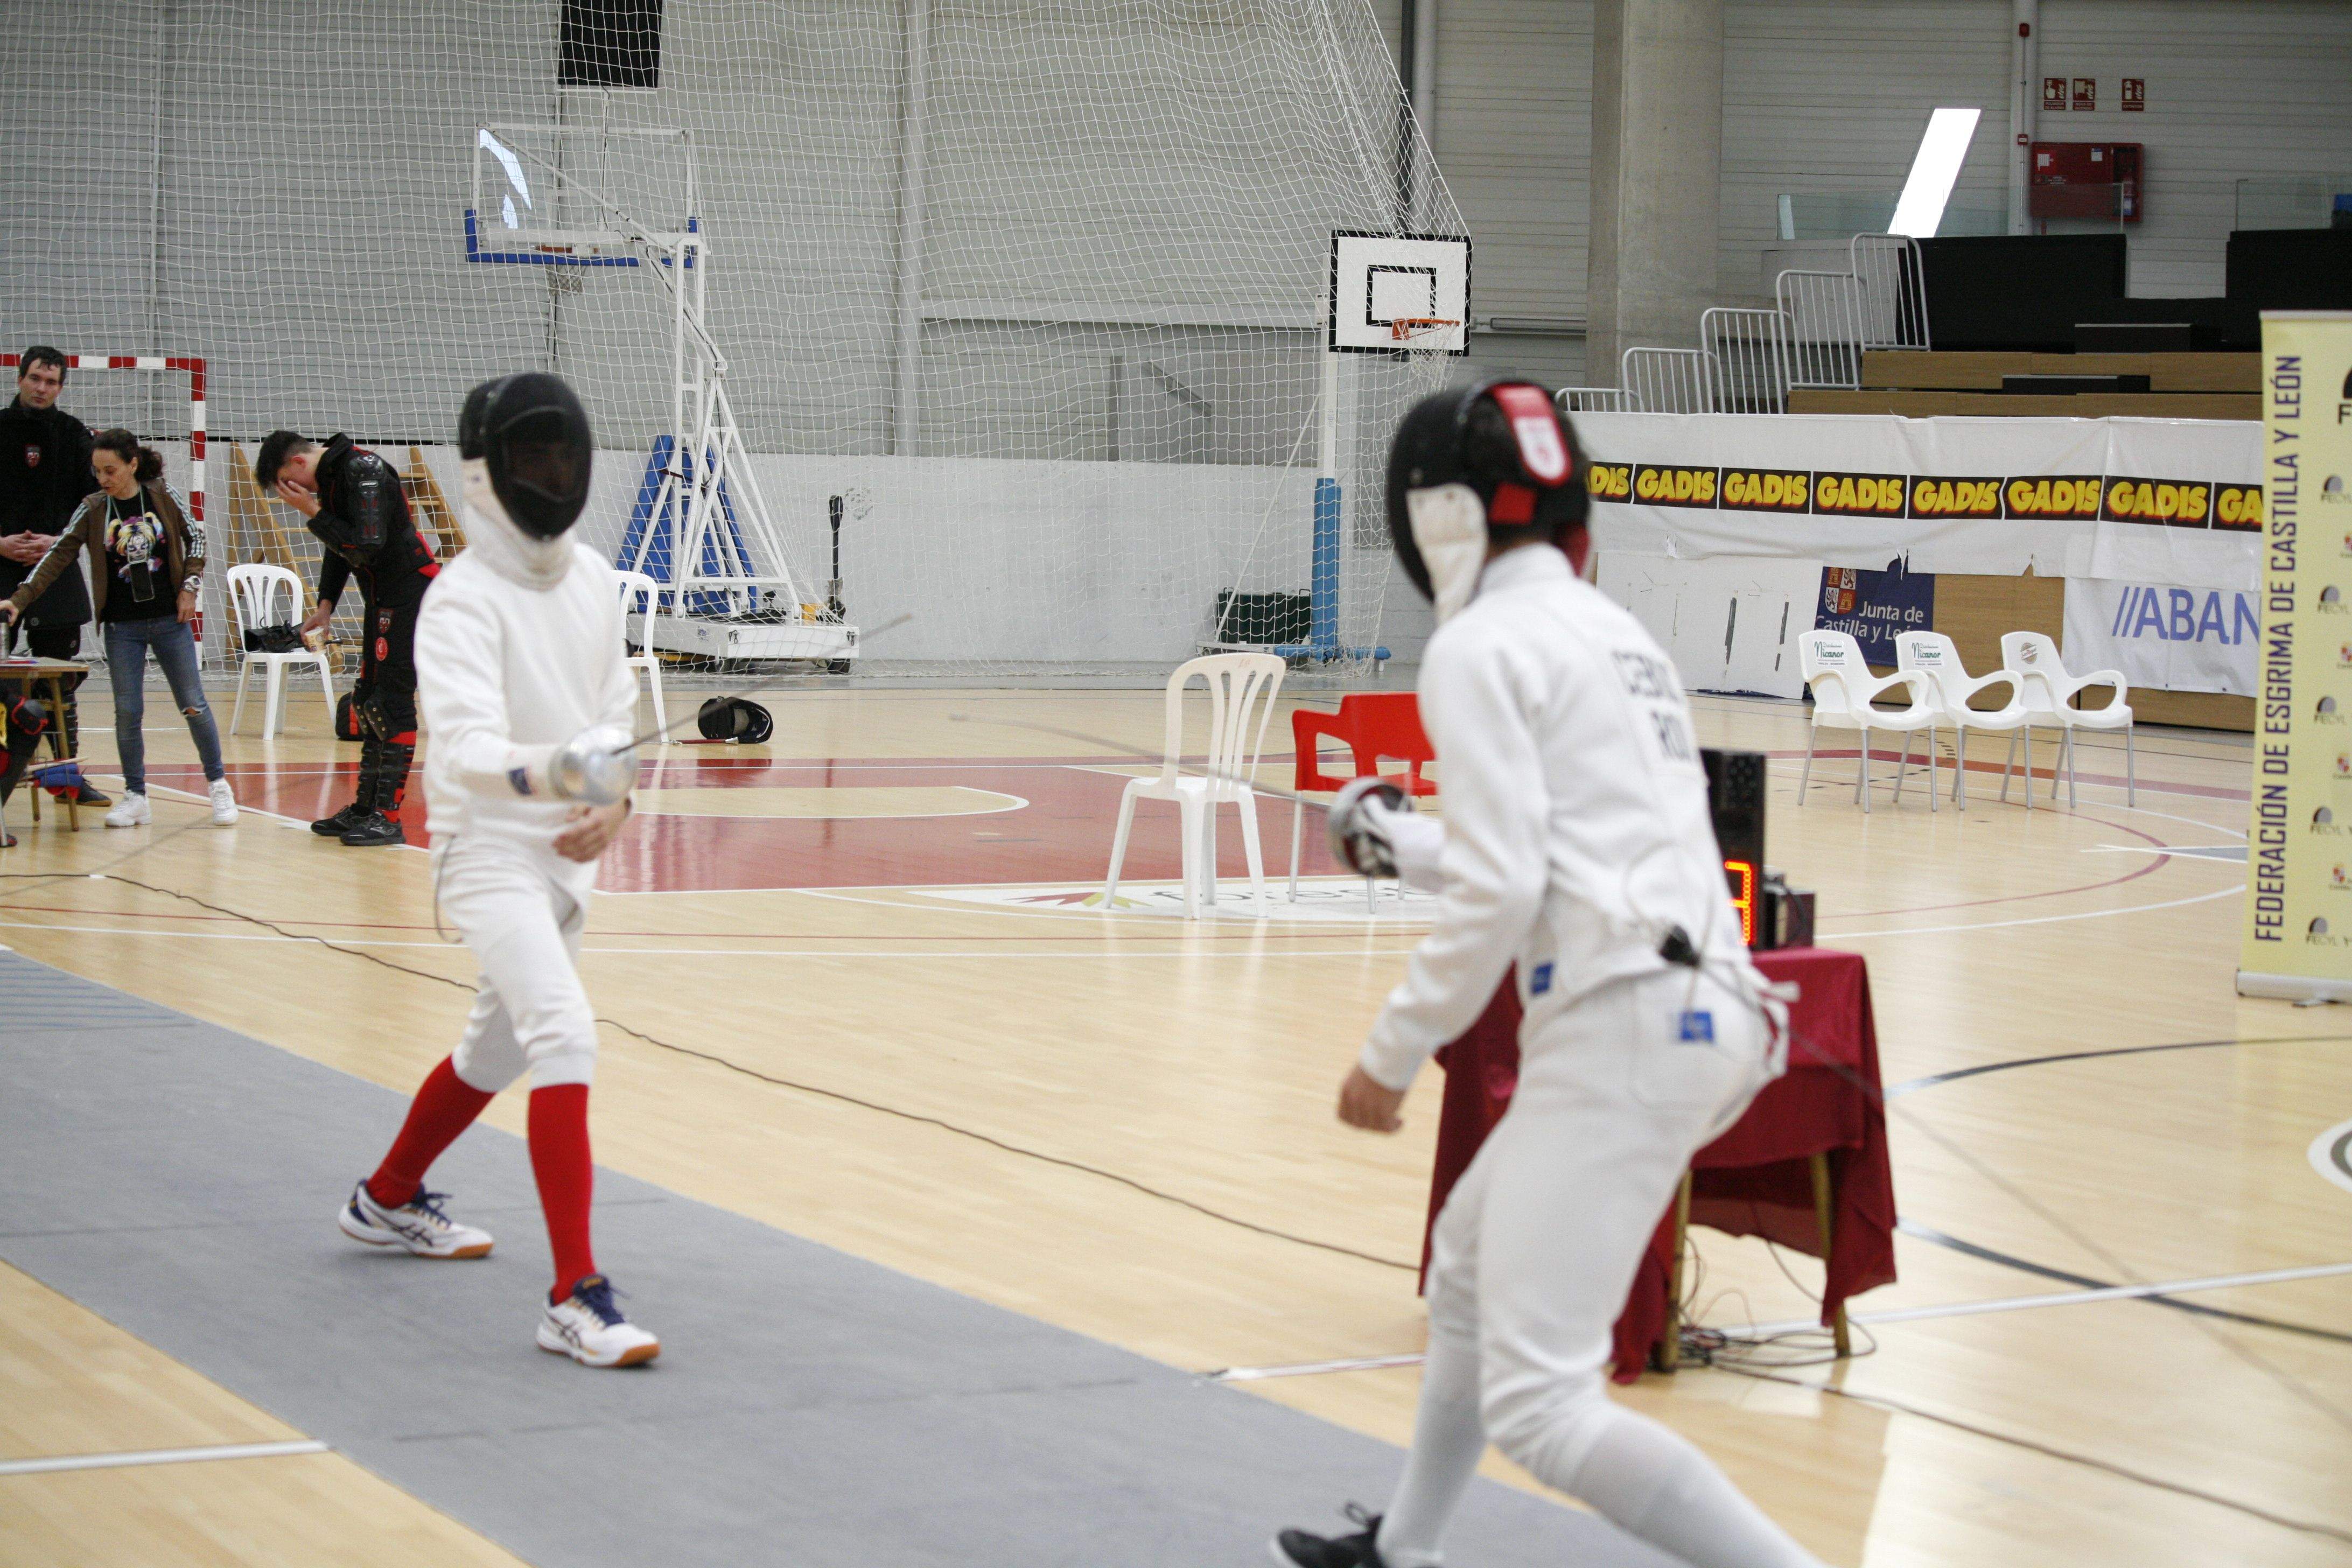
{"type": "Point", "coordinates": [583, 196]}
{"type": "Point", "coordinates": [1380, 280]}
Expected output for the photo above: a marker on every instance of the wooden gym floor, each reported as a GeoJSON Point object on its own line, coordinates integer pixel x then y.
{"type": "Point", "coordinates": [1119, 1123]}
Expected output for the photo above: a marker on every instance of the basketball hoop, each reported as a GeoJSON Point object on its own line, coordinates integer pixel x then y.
{"type": "Point", "coordinates": [1412, 329]}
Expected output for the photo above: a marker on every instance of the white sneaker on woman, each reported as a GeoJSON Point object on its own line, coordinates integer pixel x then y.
{"type": "Point", "coordinates": [224, 804]}
{"type": "Point", "coordinates": [131, 811]}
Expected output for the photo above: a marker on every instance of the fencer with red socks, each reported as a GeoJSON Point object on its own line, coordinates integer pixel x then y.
{"type": "Point", "coordinates": [528, 705]}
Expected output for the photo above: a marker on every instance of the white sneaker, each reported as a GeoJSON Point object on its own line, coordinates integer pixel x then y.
{"type": "Point", "coordinates": [587, 1327]}
{"type": "Point", "coordinates": [131, 811]}
{"type": "Point", "coordinates": [417, 1225]}
{"type": "Point", "coordinates": [224, 804]}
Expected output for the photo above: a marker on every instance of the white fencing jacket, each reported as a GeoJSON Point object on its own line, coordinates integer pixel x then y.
{"type": "Point", "coordinates": [1577, 831]}
{"type": "Point", "coordinates": [505, 671]}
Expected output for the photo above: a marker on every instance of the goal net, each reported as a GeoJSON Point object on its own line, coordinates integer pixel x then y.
{"type": "Point", "coordinates": [1021, 303]}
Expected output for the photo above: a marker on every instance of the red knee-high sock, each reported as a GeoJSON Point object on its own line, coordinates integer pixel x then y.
{"type": "Point", "coordinates": [567, 1178]}
{"type": "Point", "coordinates": [443, 1108]}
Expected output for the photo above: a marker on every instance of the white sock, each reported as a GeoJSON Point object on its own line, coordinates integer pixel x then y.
{"type": "Point", "coordinates": [1448, 1441]}
{"type": "Point", "coordinates": [1650, 1483]}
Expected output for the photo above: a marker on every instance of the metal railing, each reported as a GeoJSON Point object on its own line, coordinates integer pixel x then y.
{"type": "Point", "coordinates": [1591, 400]}
{"type": "Point", "coordinates": [1816, 334]}
{"type": "Point", "coordinates": [1750, 350]}
{"type": "Point", "coordinates": [1825, 313]}
{"type": "Point", "coordinates": [1894, 291]}
{"type": "Point", "coordinates": [1668, 381]}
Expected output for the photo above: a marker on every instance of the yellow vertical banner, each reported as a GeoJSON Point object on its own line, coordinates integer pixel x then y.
{"type": "Point", "coordinates": [2299, 928]}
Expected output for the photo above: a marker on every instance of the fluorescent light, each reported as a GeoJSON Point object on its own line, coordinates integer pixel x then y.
{"type": "Point", "coordinates": [1933, 171]}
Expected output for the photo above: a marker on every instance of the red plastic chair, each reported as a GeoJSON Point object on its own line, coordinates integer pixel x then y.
{"type": "Point", "coordinates": [1371, 725]}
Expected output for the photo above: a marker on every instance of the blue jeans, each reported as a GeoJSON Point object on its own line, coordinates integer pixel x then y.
{"type": "Point", "coordinates": [127, 643]}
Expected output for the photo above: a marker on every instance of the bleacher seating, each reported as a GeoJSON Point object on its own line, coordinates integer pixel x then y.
{"type": "Point", "coordinates": [1922, 384]}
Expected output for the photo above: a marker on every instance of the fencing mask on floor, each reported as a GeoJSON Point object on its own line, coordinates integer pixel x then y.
{"type": "Point", "coordinates": [528, 455]}
{"type": "Point", "coordinates": [735, 719]}
{"type": "Point", "coordinates": [1490, 463]}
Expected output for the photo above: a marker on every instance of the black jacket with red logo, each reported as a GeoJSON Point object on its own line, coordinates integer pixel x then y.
{"type": "Point", "coordinates": [44, 475]}
{"type": "Point", "coordinates": [364, 524]}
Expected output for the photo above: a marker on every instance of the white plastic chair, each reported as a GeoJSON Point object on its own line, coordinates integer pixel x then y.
{"type": "Point", "coordinates": [639, 596]}
{"type": "Point", "coordinates": [1949, 683]}
{"type": "Point", "coordinates": [253, 594]}
{"type": "Point", "coordinates": [2049, 691]}
{"type": "Point", "coordinates": [1242, 686]}
{"type": "Point", "coordinates": [1842, 690]}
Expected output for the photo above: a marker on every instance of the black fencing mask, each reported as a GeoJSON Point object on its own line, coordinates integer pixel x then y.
{"type": "Point", "coordinates": [1491, 463]}
{"type": "Point", "coordinates": [529, 435]}
{"type": "Point", "coordinates": [735, 719]}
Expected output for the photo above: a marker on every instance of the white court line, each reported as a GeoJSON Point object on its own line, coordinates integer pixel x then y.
{"type": "Point", "coordinates": [2233, 853]}
{"type": "Point", "coordinates": [159, 1456]}
{"type": "Point", "coordinates": [2039, 919]}
{"type": "Point", "coordinates": [1309, 1368]}
{"type": "Point", "coordinates": [1900, 1315]}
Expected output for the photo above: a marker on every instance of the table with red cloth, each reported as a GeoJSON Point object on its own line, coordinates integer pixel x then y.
{"type": "Point", "coordinates": [1755, 1180]}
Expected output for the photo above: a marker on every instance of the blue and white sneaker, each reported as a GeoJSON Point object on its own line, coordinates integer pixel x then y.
{"type": "Point", "coordinates": [588, 1326]}
{"type": "Point", "coordinates": [419, 1225]}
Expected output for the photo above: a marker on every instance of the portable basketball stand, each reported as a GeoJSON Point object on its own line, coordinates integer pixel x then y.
{"type": "Point", "coordinates": [701, 528]}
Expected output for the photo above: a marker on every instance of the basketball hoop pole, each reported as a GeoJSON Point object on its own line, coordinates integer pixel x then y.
{"type": "Point", "coordinates": [1323, 579]}
{"type": "Point", "coordinates": [1323, 583]}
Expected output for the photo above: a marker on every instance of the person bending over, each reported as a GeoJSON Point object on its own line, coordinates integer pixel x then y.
{"type": "Point", "coordinates": [1576, 844]}
{"type": "Point", "coordinates": [520, 661]}
{"type": "Point", "coordinates": [352, 502]}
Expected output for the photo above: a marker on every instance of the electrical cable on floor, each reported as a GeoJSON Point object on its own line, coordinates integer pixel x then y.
{"type": "Point", "coordinates": [1736, 1362]}
{"type": "Point", "coordinates": [1869, 1091]}
{"type": "Point", "coordinates": [808, 1089]}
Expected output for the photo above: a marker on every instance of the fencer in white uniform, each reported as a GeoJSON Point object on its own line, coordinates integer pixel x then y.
{"type": "Point", "coordinates": [528, 705]}
{"type": "Point", "coordinates": [1576, 844]}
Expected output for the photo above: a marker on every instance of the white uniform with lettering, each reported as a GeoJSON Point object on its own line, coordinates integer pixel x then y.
{"type": "Point", "coordinates": [1576, 837]}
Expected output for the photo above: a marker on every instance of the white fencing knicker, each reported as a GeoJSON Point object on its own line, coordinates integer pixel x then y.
{"type": "Point", "coordinates": [1533, 1256]}
{"type": "Point", "coordinates": [522, 918]}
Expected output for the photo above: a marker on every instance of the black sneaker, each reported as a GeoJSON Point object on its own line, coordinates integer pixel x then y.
{"type": "Point", "coordinates": [1298, 1548]}
{"type": "Point", "coordinates": [90, 795]}
{"type": "Point", "coordinates": [373, 831]}
{"type": "Point", "coordinates": [342, 822]}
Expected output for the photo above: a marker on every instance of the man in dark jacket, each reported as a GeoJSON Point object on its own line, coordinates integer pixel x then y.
{"type": "Point", "coordinates": [44, 475]}
{"type": "Point", "coordinates": [353, 503]}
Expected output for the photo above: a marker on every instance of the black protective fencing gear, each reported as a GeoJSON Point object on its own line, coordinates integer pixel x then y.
{"type": "Point", "coordinates": [533, 435]}
{"type": "Point", "coordinates": [1502, 442]}
{"type": "Point", "coordinates": [735, 719]}
{"type": "Point", "coordinates": [28, 720]}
